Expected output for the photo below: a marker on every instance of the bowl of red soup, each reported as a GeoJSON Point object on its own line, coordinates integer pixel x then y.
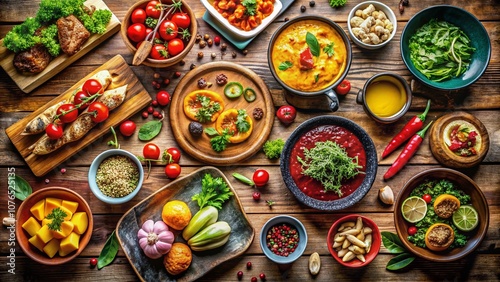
{"type": "Point", "coordinates": [329, 163]}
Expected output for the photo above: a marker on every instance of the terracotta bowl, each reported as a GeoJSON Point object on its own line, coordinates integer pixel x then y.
{"type": "Point", "coordinates": [376, 240]}
{"type": "Point", "coordinates": [441, 151]}
{"type": "Point", "coordinates": [23, 214]}
{"type": "Point", "coordinates": [478, 201]}
{"type": "Point", "coordinates": [193, 29]}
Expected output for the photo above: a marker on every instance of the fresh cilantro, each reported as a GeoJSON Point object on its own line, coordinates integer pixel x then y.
{"type": "Point", "coordinates": [207, 110]}
{"type": "Point", "coordinates": [219, 141]}
{"type": "Point", "coordinates": [57, 215]}
{"type": "Point", "coordinates": [214, 192]}
{"type": "Point", "coordinates": [285, 65]}
{"type": "Point", "coordinates": [251, 7]}
{"type": "Point", "coordinates": [328, 49]}
{"type": "Point", "coordinates": [337, 3]}
{"type": "Point", "coordinates": [241, 121]}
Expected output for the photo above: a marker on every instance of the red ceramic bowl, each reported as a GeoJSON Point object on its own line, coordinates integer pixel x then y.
{"type": "Point", "coordinates": [23, 214]}
{"type": "Point", "coordinates": [376, 240]}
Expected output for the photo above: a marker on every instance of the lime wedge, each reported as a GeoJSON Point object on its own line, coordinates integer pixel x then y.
{"type": "Point", "coordinates": [414, 209]}
{"type": "Point", "coordinates": [465, 218]}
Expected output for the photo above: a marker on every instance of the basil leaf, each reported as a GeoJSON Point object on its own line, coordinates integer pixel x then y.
{"type": "Point", "coordinates": [285, 65]}
{"type": "Point", "coordinates": [150, 130]}
{"type": "Point", "coordinates": [313, 44]}
{"type": "Point", "coordinates": [22, 188]}
{"type": "Point", "coordinates": [400, 261]}
{"type": "Point", "coordinates": [392, 242]}
{"type": "Point", "coordinates": [211, 131]}
{"type": "Point", "coordinates": [109, 251]}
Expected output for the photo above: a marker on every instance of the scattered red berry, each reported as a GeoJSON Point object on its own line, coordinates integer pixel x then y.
{"type": "Point", "coordinates": [145, 114]}
{"type": "Point", "coordinates": [63, 170]}
{"type": "Point", "coordinates": [93, 262]}
{"type": "Point", "coordinates": [160, 116]}
{"type": "Point", "coordinates": [154, 83]}
{"type": "Point", "coordinates": [177, 74]}
{"type": "Point", "coordinates": [256, 196]}
{"type": "Point", "coordinates": [156, 114]}
{"type": "Point", "coordinates": [166, 81]}
{"type": "Point", "coordinates": [150, 110]}
{"type": "Point", "coordinates": [239, 275]}
{"type": "Point", "coordinates": [254, 279]}
{"type": "Point", "coordinates": [249, 265]}
{"type": "Point", "coordinates": [217, 40]}
{"type": "Point", "coordinates": [262, 277]}
{"type": "Point", "coordinates": [427, 198]}
{"type": "Point", "coordinates": [154, 103]}
{"type": "Point", "coordinates": [412, 230]}
{"type": "Point", "coordinates": [157, 86]}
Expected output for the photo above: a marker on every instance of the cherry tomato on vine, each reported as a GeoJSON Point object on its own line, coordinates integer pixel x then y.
{"type": "Point", "coordinates": [92, 86]}
{"type": "Point", "coordinates": [172, 170]}
{"type": "Point", "coordinates": [158, 52]}
{"type": "Point", "coordinates": [343, 88]}
{"type": "Point", "coordinates": [67, 113]}
{"type": "Point", "coordinates": [138, 16]}
{"type": "Point", "coordinates": [175, 46]}
{"type": "Point", "coordinates": [163, 98]}
{"type": "Point", "coordinates": [127, 128]}
{"type": "Point", "coordinates": [168, 30]}
{"type": "Point", "coordinates": [99, 110]}
{"type": "Point", "coordinates": [172, 155]}
{"type": "Point", "coordinates": [427, 198]}
{"type": "Point", "coordinates": [153, 9]}
{"type": "Point", "coordinates": [151, 151]}
{"type": "Point", "coordinates": [412, 230]}
{"type": "Point", "coordinates": [260, 177]}
{"type": "Point", "coordinates": [54, 131]}
{"type": "Point", "coordinates": [79, 98]}
{"type": "Point", "coordinates": [136, 32]}
{"type": "Point", "coordinates": [182, 20]}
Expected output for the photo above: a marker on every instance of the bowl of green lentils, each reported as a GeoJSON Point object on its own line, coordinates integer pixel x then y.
{"type": "Point", "coordinates": [115, 176]}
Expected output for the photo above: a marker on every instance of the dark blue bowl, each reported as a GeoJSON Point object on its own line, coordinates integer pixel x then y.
{"type": "Point", "coordinates": [371, 163]}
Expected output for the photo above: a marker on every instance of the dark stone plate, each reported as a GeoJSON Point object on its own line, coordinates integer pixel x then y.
{"type": "Point", "coordinates": [371, 163]}
{"type": "Point", "coordinates": [242, 233]}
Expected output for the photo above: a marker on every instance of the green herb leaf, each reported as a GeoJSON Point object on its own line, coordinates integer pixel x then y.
{"type": "Point", "coordinates": [243, 179]}
{"type": "Point", "coordinates": [219, 142]}
{"type": "Point", "coordinates": [251, 7]}
{"type": "Point", "coordinates": [109, 251]}
{"type": "Point", "coordinates": [285, 65]}
{"type": "Point", "coordinates": [211, 131]}
{"type": "Point", "coordinates": [400, 261]}
{"type": "Point", "coordinates": [214, 192]}
{"type": "Point", "coordinates": [22, 188]}
{"type": "Point", "coordinates": [272, 148]}
{"type": "Point", "coordinates": [392, 242]}
{"type": "Point", "coordinates": [313, 44]}
{"type": "Point", "coordinates": [316, 77]}
{"type": "Point", "coordinates": [57, 215]}
{"type": "Point", "coordinates": [150, 130]}
{"type": "Point", "coordinates": [329, 49]}
{"type": "Point", "coordinates": [207, 110]}
{"type": "Point", "coordinates": [241, 121]}
{"type": "Point", "coordinates": [337, 3]}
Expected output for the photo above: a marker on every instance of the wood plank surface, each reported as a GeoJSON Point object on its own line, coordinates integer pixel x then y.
{"type": "Point", "coordinates": [480, 99]}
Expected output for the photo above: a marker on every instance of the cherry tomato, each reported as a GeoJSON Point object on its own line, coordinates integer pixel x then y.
{"type": "Point", "coordinates": [138, 16]}
{"type": "Point", "coordinates": [54, 131]}
{"type": "Point", "coordinates": [158, 52]}
{"type": "Point", "coordinates": [175, 46]}
{"type": "Point", "coordinates": [153, 9]}
{"type": "Point", "coordinates": [163, 97]}
{"type": "Point", "coordinates": [151, 151]}
{"type": "Point", "coordinates": [136, 32]}
{"type": "Point", "coordinates": [343, 88]}
{"type": "Point", "coordinates": [256, 196]}
{"type": "Point", "coordinates": [99, 110]}
{"type": "Point", "coordinates": [182, 20]}
{"type": "Point", "coordinates": [412, 230]}
{"type": "Point", "coordinates": [286, 114]}
{"type": "Point", "coordinates": [70, 113]}
{"type": "Point", "coordinates": [93, 262]}
{"type": "Point", "coordinates": [427, 198]}
{"type": "Point", "coordinates": [79, 98]}
{"type": "Point", "coordinates": [168, 30]}
{"type": "Point", "coordinates": [149, 30]}
{"type": "Point", "coordinates": [172, 170]}
{"type": "Point", "coordinates": [260, 177]}
{"type": "Point", "coordinates": [92, 86]}
{"type": "Point", "coordinates": [172, 155]}
{"type": "Point", "coordinates": [127, 128]}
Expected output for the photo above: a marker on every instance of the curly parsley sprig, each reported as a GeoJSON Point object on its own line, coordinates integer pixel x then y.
{"type": "Point", "coordinates": [214, 192]}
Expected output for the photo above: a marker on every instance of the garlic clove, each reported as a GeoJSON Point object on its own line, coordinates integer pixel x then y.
{"type": "Point", "coordinates": [314, 263]}
{"type": "Point", "coordinates": [386, 195]}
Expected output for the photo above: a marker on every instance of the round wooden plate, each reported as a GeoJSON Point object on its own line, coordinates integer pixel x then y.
{"type": "Point", "coordinates": [199, 147]}
{"type": "Point", "coordinates": [444, 155]}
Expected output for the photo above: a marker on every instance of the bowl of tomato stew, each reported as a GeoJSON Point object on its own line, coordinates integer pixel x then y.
{"type": "Point", "coordinates": [345, 144]}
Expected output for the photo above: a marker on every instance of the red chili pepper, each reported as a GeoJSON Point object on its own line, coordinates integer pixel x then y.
{"type": "Point", "coordinates": [408, 152]}
{"type": "Point", "coordinates": [414, 125]}
{"type": "Point", "coordinates": [306, 59]}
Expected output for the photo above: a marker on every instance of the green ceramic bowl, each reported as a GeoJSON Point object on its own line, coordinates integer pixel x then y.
{"type": "Point", "coordinates": [470, 25]}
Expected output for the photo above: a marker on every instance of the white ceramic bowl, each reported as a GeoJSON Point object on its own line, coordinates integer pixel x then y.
{"type": "Point", "coordinates": [93, 171]}
{"type": "Point", "coordinates": [239, 33]}
{"type": "Point", "coordinates": [379, 7]}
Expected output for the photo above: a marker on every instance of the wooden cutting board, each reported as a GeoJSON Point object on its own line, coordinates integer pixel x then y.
{"type": "Point", "coordinates": [28, 82]}
{"type": "Point", "coordinates": [137, 98]}
{"type": "Point", "coordinates": [199, 147]}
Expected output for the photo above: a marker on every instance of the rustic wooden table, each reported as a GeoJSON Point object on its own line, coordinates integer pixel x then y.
{"type": "Point", "coordinates": [481, 99]}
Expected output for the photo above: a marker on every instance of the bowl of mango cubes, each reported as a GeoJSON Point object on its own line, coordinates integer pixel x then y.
{"type": "Point", "coordinates": [53, 225]}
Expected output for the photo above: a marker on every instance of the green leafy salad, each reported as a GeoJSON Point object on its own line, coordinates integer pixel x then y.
{"type": "Point", "coordinates": [436, 188]}
{"type": "Point", "coordinates": [440, 50]}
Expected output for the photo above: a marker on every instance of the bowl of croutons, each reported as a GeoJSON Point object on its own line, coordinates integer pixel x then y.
{"type": "Point", "coordinates": [371, 25]}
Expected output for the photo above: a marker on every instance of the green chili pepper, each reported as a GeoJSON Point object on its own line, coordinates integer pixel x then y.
{"type": "Point", "coordinates": [233, 90]}
{"type": "Point", "coordinates": [249, 94]}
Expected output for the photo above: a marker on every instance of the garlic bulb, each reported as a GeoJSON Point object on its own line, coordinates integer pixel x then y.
{"type": "Point", "coordinates": [155, 239]}
{"type": "Point", "coordinates": [386, 195]}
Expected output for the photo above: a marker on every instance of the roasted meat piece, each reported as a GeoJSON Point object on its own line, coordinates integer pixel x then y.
{"type": "Point", "coordinates": [72, 34]}
{"type": "Point", "coordinates": [33, 60]}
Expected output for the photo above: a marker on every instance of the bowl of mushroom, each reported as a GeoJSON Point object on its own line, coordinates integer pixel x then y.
{"type": "Point", "coordinates": [371, 25]}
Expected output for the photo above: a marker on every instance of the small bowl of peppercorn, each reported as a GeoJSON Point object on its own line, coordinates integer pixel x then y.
{"type": "Point", "coordinates": [283, 239]}
{"type": "Point", "coordinates": [115, 176]}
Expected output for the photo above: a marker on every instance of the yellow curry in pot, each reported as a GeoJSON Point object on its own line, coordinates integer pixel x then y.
{"type": "Point", "coordinates": [304, 68]}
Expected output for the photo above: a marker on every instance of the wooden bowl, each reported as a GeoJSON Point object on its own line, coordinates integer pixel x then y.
{"type": "Point", "coordinates": [441, 151]}
{"type": "Point", "coordinates": [478, 201]}
{"type": "Point", "coordinates": [193, 30]}
{"type": "Point", "coordinates": [376, 240]}
{"type": "Point", "coordinates": [23, 214]}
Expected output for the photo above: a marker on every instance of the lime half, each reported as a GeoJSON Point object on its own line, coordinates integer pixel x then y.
{"type": "Point", "coordinates": [465, 218]}
{"type": "Point", "coordinates": [414, 209]}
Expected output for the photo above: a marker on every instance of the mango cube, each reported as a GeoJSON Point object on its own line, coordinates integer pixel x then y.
{"type": "Point", "coordinates": [35, 241]}
{"type": "Point", "coordinates": [50, 204]}
{"type": "Point", "coordinates": [81, 222]}
{"type": "Point", "coordinates": [70, 205]}
{"type": "Point", "coordinates": [69, 244]}
{"type": "Point", "coordinates": [46, 221]}
{"type": "Point", "coordinates": [31, 226]}
{"type": "Point", "coordinates": [44, 234]}
{"type": "Point", "coordinates": [68, 213]}
{"type": "Point", "coordinates": [38, 209]}
{"type": "Point", "coordinates": [52, 247]}
{"type": "Point", "coordinates": [65, 230]}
